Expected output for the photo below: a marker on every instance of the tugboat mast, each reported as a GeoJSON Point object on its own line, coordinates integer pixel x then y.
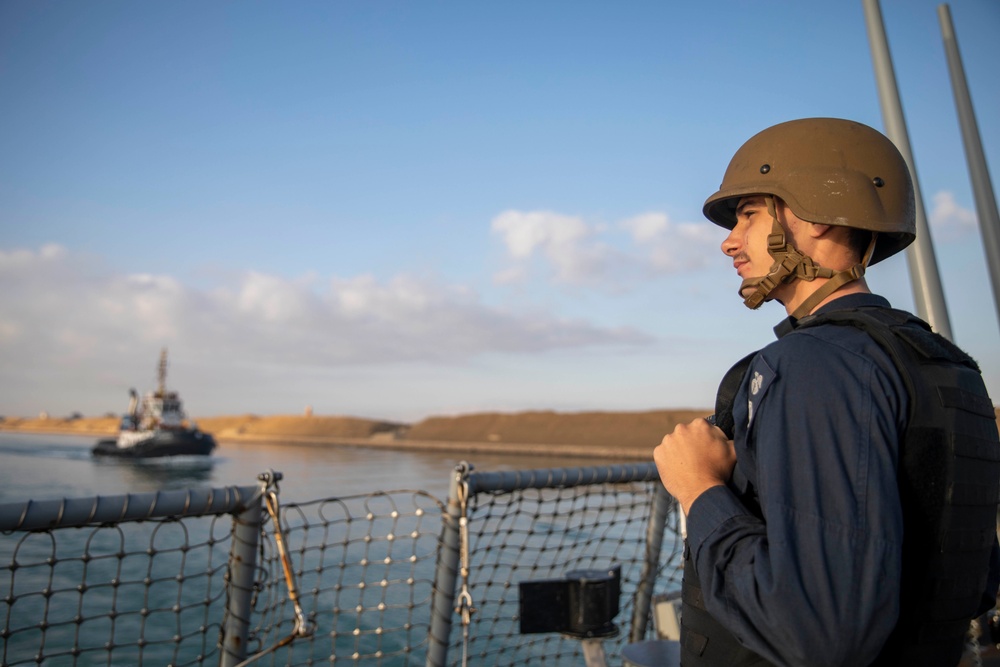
{"type": "Point", "coordinates": [161, 388]}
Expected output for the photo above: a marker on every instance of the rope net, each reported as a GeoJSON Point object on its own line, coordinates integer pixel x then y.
{"type": "Point", "coordinates": [336, 581]}
{"type": "Point", "coordinates": [537, 534]}
{"type": "Point", "coordinates": [120, 594]}
{"type": "Point", "coordinates": [364, 569]}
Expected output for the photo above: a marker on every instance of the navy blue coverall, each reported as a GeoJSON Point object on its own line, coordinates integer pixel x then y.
{"type": "Point", "coordinates": [819, 418]}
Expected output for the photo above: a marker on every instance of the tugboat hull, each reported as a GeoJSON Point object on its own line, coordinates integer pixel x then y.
{"type": "Point", "coordinates": [159, 444]}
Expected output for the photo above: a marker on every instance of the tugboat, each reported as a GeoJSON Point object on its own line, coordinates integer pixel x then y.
{"type": "Point", "coordinates": [157, 427]}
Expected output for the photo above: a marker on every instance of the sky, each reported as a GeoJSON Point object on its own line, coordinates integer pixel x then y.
{"type": "Point", "coordinates": [396, 210]}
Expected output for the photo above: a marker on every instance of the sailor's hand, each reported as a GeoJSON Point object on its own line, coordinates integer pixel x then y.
{"type": "Point", "coordinates": [692, 459]}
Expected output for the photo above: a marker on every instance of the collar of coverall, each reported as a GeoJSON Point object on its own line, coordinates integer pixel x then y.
{"type": "Point", "coordinates": [790, 264]}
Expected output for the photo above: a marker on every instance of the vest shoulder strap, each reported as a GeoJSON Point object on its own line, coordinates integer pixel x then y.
{"type": "Point", "coordinates": [726, 395]}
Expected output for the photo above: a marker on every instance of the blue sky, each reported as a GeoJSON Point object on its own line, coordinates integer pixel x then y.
{"type": "Point", "coordinates": [403, 209]}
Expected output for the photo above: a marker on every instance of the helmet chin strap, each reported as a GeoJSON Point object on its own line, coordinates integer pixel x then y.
{"type": "Point", "coordinates": [790, 264]}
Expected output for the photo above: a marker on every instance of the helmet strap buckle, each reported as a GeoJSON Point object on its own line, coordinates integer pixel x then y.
{"type": "Point", "coordinates": [837, 281]}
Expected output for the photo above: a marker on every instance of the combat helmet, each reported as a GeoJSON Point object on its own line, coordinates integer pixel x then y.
{"type": "Point", "coordinates": [829, 171]}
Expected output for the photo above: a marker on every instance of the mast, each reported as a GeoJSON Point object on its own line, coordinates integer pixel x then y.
{"type": "Point", "coordinates": [982, 189]}
{"type": "Point", "coordinates": [924, 277]}
{"type": "Point", "coordinates": [161, 388]}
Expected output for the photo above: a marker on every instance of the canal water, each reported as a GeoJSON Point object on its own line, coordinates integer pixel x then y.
{"type": "Point", "coordinates": [43, 467]}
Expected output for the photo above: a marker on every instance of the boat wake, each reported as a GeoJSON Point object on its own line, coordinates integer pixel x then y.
{"type": "Point", "coordinates": [174, 462]}
{"type": "Point", "coordinates": [47, 451]}
{"type": "Point", "coordinates": [167, 472]}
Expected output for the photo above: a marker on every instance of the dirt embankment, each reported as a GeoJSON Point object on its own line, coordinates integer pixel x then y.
{"type": "Point", "coordinates": [603, 429]}
{"type": "Point", "coordinates": [586, 433]}
{"type": "Point", "coordinates": [65, 425]}
{"type": "Point", "coordinates": [277, 426]}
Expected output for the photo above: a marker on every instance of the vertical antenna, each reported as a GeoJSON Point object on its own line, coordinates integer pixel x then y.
{"type": "Point", "coordinates": [924, 277]}
{"type": "Point", "coordinates": [982, 189]}
{"type": "Point", "coordinates": [162, 374]}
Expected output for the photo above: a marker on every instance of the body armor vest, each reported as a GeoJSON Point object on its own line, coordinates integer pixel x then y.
{"type": "Point", "coordinates": [948, 475]}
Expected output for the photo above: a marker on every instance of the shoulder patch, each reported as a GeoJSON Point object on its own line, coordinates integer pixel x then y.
{"type": "Point", "coordinates": [759, 378]}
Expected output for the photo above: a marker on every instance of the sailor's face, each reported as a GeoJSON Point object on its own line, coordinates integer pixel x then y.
{"type": "Point", "coordinates": [746, 243]}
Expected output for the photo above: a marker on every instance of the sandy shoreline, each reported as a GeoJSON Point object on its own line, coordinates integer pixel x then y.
{"type": "Point", "coordinates": [635, 434]}
{"type": "Point", "coordinates": [623, 436]}
{"type": "Point", "coordinates": [520, 449]}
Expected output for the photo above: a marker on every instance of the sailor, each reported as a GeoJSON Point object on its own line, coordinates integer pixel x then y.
{"type": "Point", "coordinates": [845, 514]}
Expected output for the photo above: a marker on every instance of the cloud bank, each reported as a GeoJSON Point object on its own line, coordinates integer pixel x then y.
{"type": "Point", "coordinates": [62, 308]}
{"type": "Point", "coordinates": [571, 251]}
{"type": "Point", "coordinates": [73, 325]}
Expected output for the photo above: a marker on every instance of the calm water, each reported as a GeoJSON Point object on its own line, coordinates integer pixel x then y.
{"type": "Point", "coordinates": [43, 466]}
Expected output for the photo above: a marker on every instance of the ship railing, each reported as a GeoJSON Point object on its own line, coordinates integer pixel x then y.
{"type": "Point", "coordinates": [232, 577]}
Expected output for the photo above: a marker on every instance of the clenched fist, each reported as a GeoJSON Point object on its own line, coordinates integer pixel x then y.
{"type": "Point", "coordinates": [692, 459]}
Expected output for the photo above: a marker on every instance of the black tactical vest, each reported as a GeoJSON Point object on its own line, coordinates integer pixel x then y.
{"type": "Point", "coordinates": [949, 486]}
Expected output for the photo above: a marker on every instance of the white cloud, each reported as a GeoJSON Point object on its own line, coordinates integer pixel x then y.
{"type": "Point", "coordinates": [273, 299]}
{"type": "Point", "coordinates": [667, 247]}
{"type": "Point", "coordinates": [949, 219]}
{"type": "Point", "coordinates": [578, 252]}
{"type": "Point", "coordinates": [64, 314]}
{"type": "Point", "coordinates": [567, 243]}
{"type": "Point", "coordinates": [647, 226]}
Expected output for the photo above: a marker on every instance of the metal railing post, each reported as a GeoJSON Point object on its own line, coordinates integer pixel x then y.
{"type": "Point", "coordinates": [658, 513]}
{"type": "Point", "coordinates": [242, 566]}
{"type": "Point", "coordinates": [446, 577]}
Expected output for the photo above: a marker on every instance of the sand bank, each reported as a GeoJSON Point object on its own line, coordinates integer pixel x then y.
{"type": "Point", "coordinates": [619, 435]}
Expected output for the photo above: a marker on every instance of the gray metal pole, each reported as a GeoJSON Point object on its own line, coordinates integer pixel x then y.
{"type": "Point", "coordinates": [242, 563]}
{"type": "Point", "coordinates": [924, 276]}
{"type": "Point", "coordinates": [75, 512]}
{"type": "Point", "coordinates": [443, 599]}
{"type": "Point", "coordinates": [982, 188]}
{"type": "Point", "coordinates": [658, 513]}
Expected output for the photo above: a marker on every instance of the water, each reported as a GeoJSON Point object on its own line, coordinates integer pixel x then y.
{"type": "Point", "coordinates": [42, 467]}
{"type": "Point", "coordinates": [49, 467]}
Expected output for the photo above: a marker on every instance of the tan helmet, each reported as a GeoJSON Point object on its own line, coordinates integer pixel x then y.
{"type": "Point", "coordinates": [829, 171]}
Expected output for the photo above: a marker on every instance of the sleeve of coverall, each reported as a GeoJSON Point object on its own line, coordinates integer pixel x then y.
{"type": "Point", "coordinates": [816, 582]}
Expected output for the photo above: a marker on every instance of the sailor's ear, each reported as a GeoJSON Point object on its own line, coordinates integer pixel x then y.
{"type": "Point", "coordinates": [818, 230]}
